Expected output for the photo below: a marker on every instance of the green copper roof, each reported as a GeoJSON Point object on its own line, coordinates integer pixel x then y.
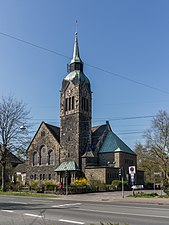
{"type": "Point", "coordinates": [80, 76]}
{"type": "Point", "coordinates": [113, 143]}
{"type": "Point", "coordinates": [67, 166]}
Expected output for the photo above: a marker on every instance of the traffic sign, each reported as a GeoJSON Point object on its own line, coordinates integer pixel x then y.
{"type": "Point", "coordinates": [132, 169]}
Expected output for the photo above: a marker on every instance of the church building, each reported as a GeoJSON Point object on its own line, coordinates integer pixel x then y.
{"type": "Point", "coordinates": [76, 149]}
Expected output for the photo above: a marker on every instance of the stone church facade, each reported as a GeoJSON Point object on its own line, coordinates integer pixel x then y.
{"type": "Point", "coordinates": [77, 149]}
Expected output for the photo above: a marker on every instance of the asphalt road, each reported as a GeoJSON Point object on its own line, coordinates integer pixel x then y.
{"type": "Point", "coordinates": [34, 211]}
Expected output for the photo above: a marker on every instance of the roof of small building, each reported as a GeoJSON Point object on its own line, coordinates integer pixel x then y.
{"type": "Point", "coordinates": [20, 168]}
{"type": "Point", "coordinates": [112, 143]}
{"type": "Point", "coordinates": [67, 166]}
{"type": "Point", "coordinates": [11, 158]}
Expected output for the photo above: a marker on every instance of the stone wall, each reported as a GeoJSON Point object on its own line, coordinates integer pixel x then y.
{"type": "Point", "coordinates": [104, 174]}
{"type": "Point", "coordinates": [43, 138]}
{"type": "Point", "coordinates": [125, 160]}
{"type": "Point", "coordinates": [96, 174]}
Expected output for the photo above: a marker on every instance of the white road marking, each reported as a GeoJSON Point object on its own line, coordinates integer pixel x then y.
{"type": "Point", "coordinates": [136, 207]}
{"type": "Point", "coordinates": [121, 213]}
{"type": "Point", "coordinates": [4, 210]}
{"type": "Point", "coordinates": [23, 203]}
{"type": "Point", "coordinates": [33, 200]}
{"type": "Point", "coordinates": [33, 215]}
{"type": "Point", "coordinates": [71, 221]}
{"type": "Point", "coordinates": [73, 204]}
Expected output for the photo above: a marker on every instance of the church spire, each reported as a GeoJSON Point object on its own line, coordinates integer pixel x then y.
{"type": "Point", "coordinates": [76, 62]}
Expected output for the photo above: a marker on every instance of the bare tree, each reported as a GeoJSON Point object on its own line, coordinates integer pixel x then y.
{"type": "Point", "coordinates": [157, 142]}
{"type": "Point", "coordinates": [13, 136]}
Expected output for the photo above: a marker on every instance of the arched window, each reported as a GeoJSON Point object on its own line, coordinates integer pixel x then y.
{"type": "Point", "coordinates": [35, 159]}
{"type": "Point", "coordinates": [42, 156]}
{"type": "Point", "coordinates": [50, 157]}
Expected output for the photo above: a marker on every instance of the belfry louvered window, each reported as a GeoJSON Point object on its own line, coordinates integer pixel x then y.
{"type": "Point", "coordinates": [69, 103]}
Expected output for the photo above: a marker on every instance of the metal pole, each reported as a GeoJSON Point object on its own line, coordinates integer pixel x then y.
{"type": "Point", "coordinates": [66, 183]}
{"type": "Point", "coordinates": [122, 183]}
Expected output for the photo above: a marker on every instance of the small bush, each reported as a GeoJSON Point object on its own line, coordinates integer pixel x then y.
{"type": "Point", "coordinates": [81, 182]}
{"type": "Point", "coordinates": [166, 187]}
{"type": "Point", "coordinates": [144, 195]}
{"type": "Point", "coordinates": [49, 185]}
{"type": "Point", "coordinates": [117, 185]}
{"type": "Point", "coordinates": [34, 184]}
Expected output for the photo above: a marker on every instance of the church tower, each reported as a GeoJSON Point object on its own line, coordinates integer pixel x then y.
{"type": "Point", "coordinates": [75, 111]}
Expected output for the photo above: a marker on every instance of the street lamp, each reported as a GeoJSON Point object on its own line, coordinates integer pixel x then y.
{"type": "Point", "coordinates": [121, 174]}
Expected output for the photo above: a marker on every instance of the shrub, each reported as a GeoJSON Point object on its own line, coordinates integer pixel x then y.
{"type": "Point", "coordinates": [117, 185]}
{"type": "Point", "coordinates": [94, 182]}
{"type": "Point", "coordinates": [166, 187]}
{"type": "Point", "coordinates": [34, 184]}
{"type": "Point", "coordinates": [49, 185]}
{"type": "Point", "coordinates": [80, 182]}
{"type": "Point", "coordinates": [17, 186]}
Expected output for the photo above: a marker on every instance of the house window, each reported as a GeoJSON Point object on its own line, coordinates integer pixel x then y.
{"type": "Point", "coordinates": [34, 176]}
{"type": "Point", "coordinates": [43, 134]}
{"type": "Point", "coordinates": [35, 159]}
{"type": "Point", "coordinates": [68, 154]}
{"type": "Point", "coordinates": [42, 156]}
{"type": "Point", "coordinates": [40, 176]}
{"type": "Point", "coordinates": [49, 177]}
{"type": "Point", "coordinates": [43, 176]}
{"type": "Point", "coordinates": [50, 158]}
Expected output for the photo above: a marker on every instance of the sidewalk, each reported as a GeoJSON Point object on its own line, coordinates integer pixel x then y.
{"type": "Point", "coordinates": [112, 197]}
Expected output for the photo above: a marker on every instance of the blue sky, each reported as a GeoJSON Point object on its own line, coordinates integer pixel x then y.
{"type": "Point", "coordinates": [127, 40]}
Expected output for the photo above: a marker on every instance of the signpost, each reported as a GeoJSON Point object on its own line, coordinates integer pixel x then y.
{"type": "Point", "coordinates": [121, 174]}
{"type": "Point", "coordinates": [132, 171]}
{"type": "Point", "coordinates": [31, 178]}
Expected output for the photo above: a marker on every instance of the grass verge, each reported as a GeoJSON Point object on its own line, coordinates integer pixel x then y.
{"type": "Point", "coordinates": [150, 195]}
{"type": "Point", "coordinates": [29, 194]}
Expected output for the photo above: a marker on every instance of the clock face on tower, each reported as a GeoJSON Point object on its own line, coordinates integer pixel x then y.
{"type": "Point", "coordinates": [69, 91]}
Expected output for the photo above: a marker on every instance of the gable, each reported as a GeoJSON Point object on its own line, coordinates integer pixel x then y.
{"type": "Point", "coordinates": [98, 135]}
{"type": "Point", "coordinates": [44, 132]}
